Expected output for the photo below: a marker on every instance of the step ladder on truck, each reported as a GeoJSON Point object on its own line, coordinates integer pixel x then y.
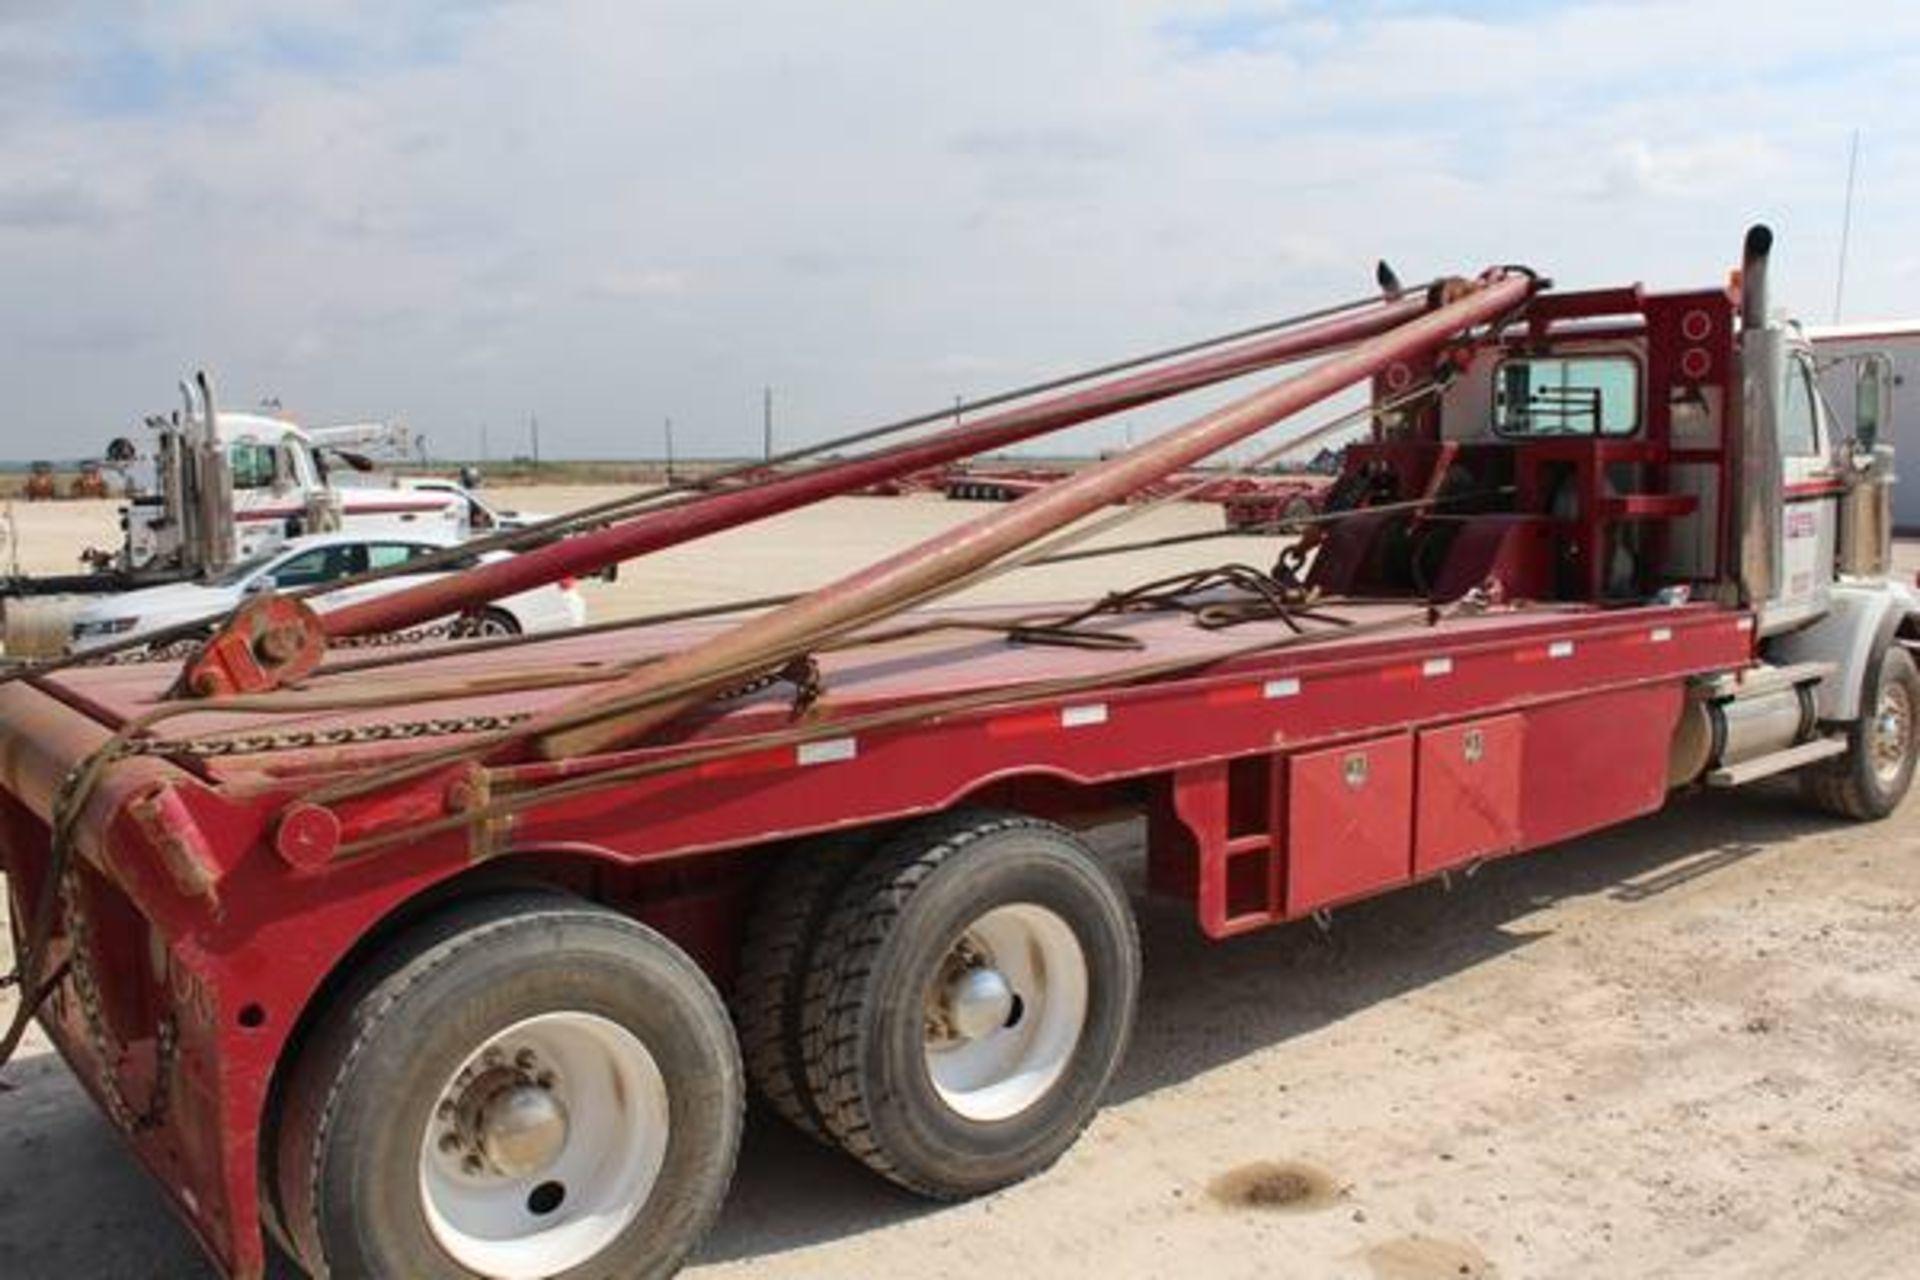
{"type": "Point", "coordinates": [462, 959]}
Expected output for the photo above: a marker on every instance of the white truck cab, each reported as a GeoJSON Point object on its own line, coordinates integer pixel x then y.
{"type": "Point", "coordinates": [266, 486]}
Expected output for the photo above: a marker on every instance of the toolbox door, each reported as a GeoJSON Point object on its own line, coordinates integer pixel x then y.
{"type": "Point", "coordinates": [1468, 788]}
{"type": "Point", "coordinates": [1349, 821]}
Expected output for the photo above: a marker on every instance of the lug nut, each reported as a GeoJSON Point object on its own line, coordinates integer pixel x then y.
{"type": "Point", "coordinates": [450, 1143]}
{"type": "Point", "coordinates": [472, 1165]}
{"type": "Point", "coordinates": [524, 1060]}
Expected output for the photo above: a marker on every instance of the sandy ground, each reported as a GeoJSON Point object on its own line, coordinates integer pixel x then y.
{"type": "Point", "coordinates": [1681, 1048]}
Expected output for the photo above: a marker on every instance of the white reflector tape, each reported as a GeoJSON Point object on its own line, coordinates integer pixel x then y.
{"type": "Point", "coordinates": [1286, 688]}
{"type": "Point", "coordinates": [1437, 667]}
{"type": "Point", "coordinates": [1745, 624]}
{"type": "Point", "coordinates": [827, 751]}
{"type": "Point", "coordinates": [1085, 714]}
{"type": "Point", "coordinates": [1560, 649]}
{"type": "Point", "coordinates": [1660, 635]}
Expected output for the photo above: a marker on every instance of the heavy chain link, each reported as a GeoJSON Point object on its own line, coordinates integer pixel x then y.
{"type": "Point", "coordinates": [247, 744]}
{"type": "Point", "coordinates": [460, 628]}
{"type": "Point", "coordinates": [86, 986]}
{"type": "Point", "coordinates": [453, 629]}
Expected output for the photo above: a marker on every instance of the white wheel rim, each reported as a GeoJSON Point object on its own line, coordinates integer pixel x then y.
{"type": "Point", "coordinates": [988, 1074]}
{"type": "Point", "coordinates": [540, 1221]}
{"type": "Point", "coordinates": [1892, 733]}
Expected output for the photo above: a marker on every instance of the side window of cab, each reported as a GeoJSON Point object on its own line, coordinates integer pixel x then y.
{"type": "Point", "coordinates": [1799, 418]}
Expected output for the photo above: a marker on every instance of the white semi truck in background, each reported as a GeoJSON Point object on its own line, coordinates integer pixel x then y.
{"type": "Point", "coordinates": [220, 488]}
{"type": "Point", "coordinates": [224, 487]}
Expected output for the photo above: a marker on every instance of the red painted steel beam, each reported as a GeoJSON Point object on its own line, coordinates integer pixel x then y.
{"type": "Point", "coordinates": [598, 723]}
{"type": "Point", "coordinates": [651, 531]}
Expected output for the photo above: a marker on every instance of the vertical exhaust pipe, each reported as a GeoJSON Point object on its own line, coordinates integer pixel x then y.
{"type": "Point", "coordinates": [1753, 276]}
{"type": "Point", "coordinates": [1763, 356]}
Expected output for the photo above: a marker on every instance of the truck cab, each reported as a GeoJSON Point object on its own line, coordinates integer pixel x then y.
{"type": "Point", "coordinates": [1582, 455]}
{"type": "Point", "coordinates": [268, 487]}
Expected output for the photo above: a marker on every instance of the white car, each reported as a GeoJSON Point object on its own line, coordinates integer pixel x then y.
{"type": "Point", "coordinates": [482, 515]}
{"type": "Point", "coordinates": [310, 561]}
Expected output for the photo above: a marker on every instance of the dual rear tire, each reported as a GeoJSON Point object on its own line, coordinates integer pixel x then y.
{"type": "Point", "coordinates": [525, 1085]}
{"type": "Point", "coordinates": [957, 1005]}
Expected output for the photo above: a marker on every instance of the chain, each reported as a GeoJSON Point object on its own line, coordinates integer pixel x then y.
{"type": "Point", "coordinates": [186, 646]}
{"type": "Point", "coordinates": [454, 629]}
{"type": "Point", "coordinates": [112, 1056]}
{"type": "Point", "coordinates": [86, 985]}
{"type": "Point", "coordinates": [170, 651]}
{"type": "Point", "coordinates": [802, 672]}
{"type": "Point", "coordinates": [247, 744]}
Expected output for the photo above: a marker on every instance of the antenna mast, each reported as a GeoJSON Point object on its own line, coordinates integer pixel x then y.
{"type": "Point", "coordinates": [1846, 226]}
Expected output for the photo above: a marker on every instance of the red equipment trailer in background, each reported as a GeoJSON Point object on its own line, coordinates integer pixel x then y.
{"type": "Point", "coordinates": [419, 957]}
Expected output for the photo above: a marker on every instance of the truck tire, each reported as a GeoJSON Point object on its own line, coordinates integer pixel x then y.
{"type": "Point", "coordinates": [770, 992]}
{"type": "Point", "coordinates": [523, 1085]}
{"type": "Point", "coordinates": [970, 997]}
{"type": "Point", "coordinates": [1870, 780]}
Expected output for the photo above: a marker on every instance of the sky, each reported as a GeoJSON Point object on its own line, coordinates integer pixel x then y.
{"type": "Point", "coordinates": [608, 214]}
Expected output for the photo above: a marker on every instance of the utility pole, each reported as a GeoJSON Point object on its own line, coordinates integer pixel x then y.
{"type": "Point", "coordinates": [669, 450]}
{"type": "Point", "coordinates": [533, 429]}
{"type": "Point", "coordinates": [766, 423]}
{"type": "Point", "coordinates": [485, 453]}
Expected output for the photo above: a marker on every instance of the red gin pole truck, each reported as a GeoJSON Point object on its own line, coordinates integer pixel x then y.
{"type": "Point", "coordinates": [460, 960]}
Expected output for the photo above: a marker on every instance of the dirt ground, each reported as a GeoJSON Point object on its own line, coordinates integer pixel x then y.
{"type": "Point", "coordinates": [1681, 1048]}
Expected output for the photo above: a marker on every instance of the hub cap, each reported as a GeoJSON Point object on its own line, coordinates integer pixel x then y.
{"type": "Point", "coordinates": [1004, 1012]}
{"type": "Point", "coordinates": [1892, 732]}
{"type": "Point", "coordinates": [543, 1146]}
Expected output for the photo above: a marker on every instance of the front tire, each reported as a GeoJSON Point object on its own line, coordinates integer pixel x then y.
{"type": "Point", "coordinates": [1871, 779]}
{"type": "Point", "coordinates": [523, 1086]}
{"type": "Point", "coordinates": [970, 998]}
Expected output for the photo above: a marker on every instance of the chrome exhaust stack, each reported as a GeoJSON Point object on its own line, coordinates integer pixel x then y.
{"type": "Point", "coordinates": [1757, 481]}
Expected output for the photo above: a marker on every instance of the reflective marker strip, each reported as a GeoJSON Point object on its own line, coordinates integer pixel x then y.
{"type": "Point", "coordinates": [1085, 714]}
{"type": "Point", "coordinates": [1431, 667]}
{"type": "Point", "coordinates": [1660, 635]}
{"type": "Point", "coordinates": [827, 751]}
{"type": "Point", "coordinates": [1560, 649]}
{"type": "Point", "coordinates": [1286, 688]}
{"type": "Point", "coordinates": [1745, 624]}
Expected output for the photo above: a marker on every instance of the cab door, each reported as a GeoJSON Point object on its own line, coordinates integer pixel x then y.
{"type": "Point", "coordinates": [1810, 497]}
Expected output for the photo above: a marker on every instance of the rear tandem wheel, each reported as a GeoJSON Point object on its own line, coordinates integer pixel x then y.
{"type": "Point", "coordinates": [523, 1086]}
{"type": "Point", "coordinates": [968, 1000]}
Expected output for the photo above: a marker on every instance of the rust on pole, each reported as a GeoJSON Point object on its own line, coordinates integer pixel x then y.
{"type": "Point", "coordinates": [622, 712]}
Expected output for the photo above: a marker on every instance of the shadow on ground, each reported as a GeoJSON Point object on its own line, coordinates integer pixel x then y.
{"type": "Point", "coordinates": [1257, 991]}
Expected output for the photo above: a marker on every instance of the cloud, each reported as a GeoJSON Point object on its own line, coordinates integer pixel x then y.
{"type": "Point", "coordinates": [55, 202]}
{"type": "Point", "coordinates": [1639, 169]}
{"type": "Point", "coordinates": [639, 283]}
{"type": "Point", "coordinates": [597, 210]}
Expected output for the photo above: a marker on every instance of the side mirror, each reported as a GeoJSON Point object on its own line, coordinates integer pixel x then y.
{"type": "Point", "coordinates": [258, 586]}
{"type": "Point", "coordinates": [1869, 386]}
